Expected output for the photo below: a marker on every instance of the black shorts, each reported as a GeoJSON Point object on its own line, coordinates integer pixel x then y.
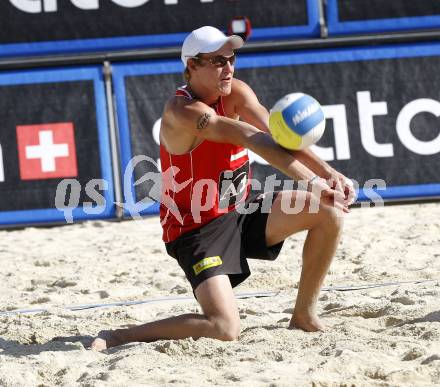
{"type": "Point", "coordinates": [222, 246]}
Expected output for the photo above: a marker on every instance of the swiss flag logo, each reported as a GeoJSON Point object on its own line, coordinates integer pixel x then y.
{"type": "Point", "coordinates": [46, 151]}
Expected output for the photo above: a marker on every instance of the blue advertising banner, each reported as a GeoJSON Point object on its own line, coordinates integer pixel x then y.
{"type": "Point", "coordinates": [369, 16]}
{"type": "Point", "coordinates": [382, 108]}
{"type": "Point", "coordinates": [38, 27]}
{"type": "Point", "coordinates": [55, 163]}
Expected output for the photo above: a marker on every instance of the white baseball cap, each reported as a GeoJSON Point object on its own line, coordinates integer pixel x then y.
{"type": "Point", "coordinates": [205, 40]}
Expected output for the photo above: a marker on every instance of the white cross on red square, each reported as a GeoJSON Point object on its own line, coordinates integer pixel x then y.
{"type": "Point", "coordinates": [46, 151]}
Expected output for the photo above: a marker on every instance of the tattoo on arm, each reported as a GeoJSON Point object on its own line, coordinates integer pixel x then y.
{"type": "Point", "coordinates": [203, 121]}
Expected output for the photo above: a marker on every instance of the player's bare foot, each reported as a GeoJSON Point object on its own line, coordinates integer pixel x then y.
{"type": "Point", "coordinates": [105, 340]}
{"type": "Point", "coordinates": [306, 322]}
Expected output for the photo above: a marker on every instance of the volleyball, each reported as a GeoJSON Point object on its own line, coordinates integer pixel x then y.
{"type": "Point", "coordinates": [297, 121]}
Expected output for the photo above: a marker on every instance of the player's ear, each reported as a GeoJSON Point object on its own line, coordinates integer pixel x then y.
{"type": "Point", "coordinates": [192, 63]}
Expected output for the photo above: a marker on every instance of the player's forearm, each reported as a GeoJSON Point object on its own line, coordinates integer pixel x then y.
{"type": "Point", "coordinates": [241, 133]}
{"type": "Point", "coordinates": [306, 157]}
{"type": "Point", "coordinates": [313, 162]}
{"type": "Point", "coordinates": [262, 144]}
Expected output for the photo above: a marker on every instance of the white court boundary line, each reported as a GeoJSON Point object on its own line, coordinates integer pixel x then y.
{"type": "Point", "coordinates": [130, 303]}
{"type": "Point", "coordinates": [379, 285]}
{"type": "Point", "coordinates": [190, 298]}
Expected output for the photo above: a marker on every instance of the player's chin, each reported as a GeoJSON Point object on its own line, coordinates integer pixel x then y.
{"type": "Point", "coordinates": [225, 87]}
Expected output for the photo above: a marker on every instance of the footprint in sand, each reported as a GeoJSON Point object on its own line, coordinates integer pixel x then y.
{"type": "Point", "coordinates": [252, 312]}
{"type": "Point", "coordinates": [392, 321]}
{"type": "Point", "coordinates": [413, 353]}
{"type": "Point", "coordinates": [430, 359]}
{"type": "Point", "coordinates": [40, 300]}
{"type": "Point", "coordinates": [333, 305]}
{"type": "Point", "coordinates": [103, 294]}
{"type": "Point", "coordinates": [179, 289]}
{"type": "Point", "coordinates": [62, 283]}
{"type": "Point", "coordinates": [404, 300]}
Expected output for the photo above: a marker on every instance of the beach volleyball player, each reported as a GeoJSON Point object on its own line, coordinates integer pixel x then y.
{"type": "Point", "coordinates": [207, 128]}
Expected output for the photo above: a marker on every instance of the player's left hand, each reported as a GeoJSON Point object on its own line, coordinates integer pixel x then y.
{"type": "Point", "coordinates": [339, 182]}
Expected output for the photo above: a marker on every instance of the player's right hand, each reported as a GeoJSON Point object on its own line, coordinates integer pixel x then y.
{"type": "Point", "coordinates": [329, 196]}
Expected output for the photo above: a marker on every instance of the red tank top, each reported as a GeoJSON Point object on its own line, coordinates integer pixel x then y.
{"type": "Point", "coordinates": [202, 184]}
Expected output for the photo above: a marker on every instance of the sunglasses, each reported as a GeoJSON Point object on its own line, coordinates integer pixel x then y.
{"type": "Point", "coordinates": [218, 61]}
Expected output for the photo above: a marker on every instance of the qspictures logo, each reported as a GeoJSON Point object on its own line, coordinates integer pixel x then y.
{"type": "Point", "coordinates": [46, 151]}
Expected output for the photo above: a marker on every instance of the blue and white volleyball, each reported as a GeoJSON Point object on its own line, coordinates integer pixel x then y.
{"type": "Point", "coordinates": [297, 121]}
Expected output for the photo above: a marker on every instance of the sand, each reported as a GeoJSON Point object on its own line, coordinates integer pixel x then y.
{"type": "Point", "coordinates": [379, 336]}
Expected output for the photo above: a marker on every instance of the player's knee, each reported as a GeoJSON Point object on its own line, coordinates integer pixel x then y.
{"type": "Point", "coordinates": [331, 217]}
{"type": "Point", "coordinates": [226, 329]}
